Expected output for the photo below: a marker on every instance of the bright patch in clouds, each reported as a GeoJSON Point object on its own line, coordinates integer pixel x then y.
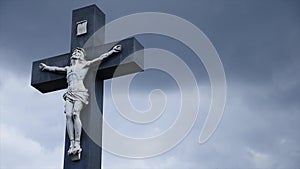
{"type": "Point", "coordinates": [259, 159]}
{"type": "Point", "coordinates": [32, 125]}
{"type": "Point", "coordinates": [19, 151]}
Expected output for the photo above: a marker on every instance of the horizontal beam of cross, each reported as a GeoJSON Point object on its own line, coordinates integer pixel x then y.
{"type": "Point", "coordinates": [45, 81]}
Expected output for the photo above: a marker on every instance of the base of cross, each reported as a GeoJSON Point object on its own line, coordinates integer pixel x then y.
{"type": "Point", "coordinates": [75, 156]}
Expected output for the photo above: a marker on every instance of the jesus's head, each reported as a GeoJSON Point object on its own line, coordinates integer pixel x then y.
{"type": "Point", "coordinates": [78, 54]}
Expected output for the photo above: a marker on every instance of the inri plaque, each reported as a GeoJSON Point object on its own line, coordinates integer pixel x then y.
{"type": "Point", "coordinates": [81, 27]}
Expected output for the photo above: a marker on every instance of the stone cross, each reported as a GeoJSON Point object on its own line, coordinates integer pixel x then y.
{"type": "Point", "coordinates": [85, 22]}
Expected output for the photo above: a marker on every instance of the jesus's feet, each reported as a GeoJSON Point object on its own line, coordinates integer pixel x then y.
{"type": "Point", "coordinates": [76, 148]}
{"type": "Point", "coordinates": [71, 148]}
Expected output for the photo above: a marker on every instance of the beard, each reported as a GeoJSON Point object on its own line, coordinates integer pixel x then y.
{"type": "Point", "coordinates": [73, 61]}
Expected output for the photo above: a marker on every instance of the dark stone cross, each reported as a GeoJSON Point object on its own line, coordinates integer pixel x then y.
{"type": "Point", "coordinates": [85, 22]}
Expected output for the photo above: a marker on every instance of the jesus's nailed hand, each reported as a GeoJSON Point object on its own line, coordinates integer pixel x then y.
{"type": "Point", "coordinates": [42, 66]}
{"type": "Point", "coordinates": [117, 48]}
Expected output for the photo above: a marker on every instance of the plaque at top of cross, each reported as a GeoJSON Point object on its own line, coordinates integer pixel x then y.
{"type": "Point", "coordinates": [85, 22]}
{"type": "Point", "coordinates": [81, 27]}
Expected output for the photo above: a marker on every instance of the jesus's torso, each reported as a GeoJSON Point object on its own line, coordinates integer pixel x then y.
{"type": "Point", "coordinates": [75, 76]}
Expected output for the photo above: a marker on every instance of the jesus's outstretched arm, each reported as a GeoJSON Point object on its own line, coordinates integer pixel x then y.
{"type": "Point", "coordinates": [43, 67]}
{"type": "Point", "coordinates": [115, 49]}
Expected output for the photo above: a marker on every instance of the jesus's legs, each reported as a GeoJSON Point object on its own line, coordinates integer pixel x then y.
{"type": "Point", "coordinates": [69, 122]}
{"type": "Point", "coordinates": [77, 123]}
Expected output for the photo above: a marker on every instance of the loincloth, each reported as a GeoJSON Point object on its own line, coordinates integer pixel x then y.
{"type": "Point", "coordinates": [73, 96]}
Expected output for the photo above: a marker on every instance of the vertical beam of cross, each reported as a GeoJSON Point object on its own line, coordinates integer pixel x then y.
{"type": "Point", "coordinates": [85, 22]}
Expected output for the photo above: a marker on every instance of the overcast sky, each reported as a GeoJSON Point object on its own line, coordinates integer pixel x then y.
{"type": "Point", "coordinates": [258, 44]}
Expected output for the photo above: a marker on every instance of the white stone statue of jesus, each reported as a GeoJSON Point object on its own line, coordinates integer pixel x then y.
{"type": "Point", "coordinates": [77, 95]}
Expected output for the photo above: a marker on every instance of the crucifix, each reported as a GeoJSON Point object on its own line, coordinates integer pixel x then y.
{"type": "Point", "coordinates": [81, 151]}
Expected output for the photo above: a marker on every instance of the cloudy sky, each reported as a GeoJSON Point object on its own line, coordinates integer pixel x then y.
{"type": "Point", "coordinates": [258, 44]}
